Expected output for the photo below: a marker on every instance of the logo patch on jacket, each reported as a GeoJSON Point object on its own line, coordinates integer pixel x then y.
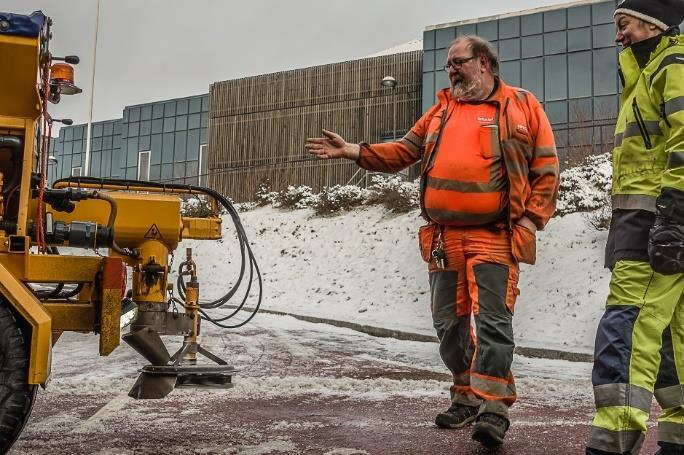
{"type": "Point", "coordinates": [521, 129]}
{"type": "Point", "coordinates": [485, 120]}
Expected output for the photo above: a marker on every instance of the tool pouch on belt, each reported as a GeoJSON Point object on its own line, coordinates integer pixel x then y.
{"type": "Point", "coordinates": [426, 234]}
{"type": "Point", "coordinates": [523, 244]}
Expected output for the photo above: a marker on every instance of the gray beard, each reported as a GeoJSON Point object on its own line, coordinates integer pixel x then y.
{"type": "Point", "coordinates": [467, 90]}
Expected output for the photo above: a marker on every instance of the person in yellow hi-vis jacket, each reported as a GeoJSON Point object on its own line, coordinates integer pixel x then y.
{"type": "Point", "coordinates": [639, 348]}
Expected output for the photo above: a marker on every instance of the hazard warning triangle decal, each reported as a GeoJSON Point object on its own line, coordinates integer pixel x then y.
{"type": "Point", "coordinates": [153, 233]}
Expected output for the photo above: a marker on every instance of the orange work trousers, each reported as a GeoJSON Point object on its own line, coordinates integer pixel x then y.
{"type": "Point", "coordinates": [478, 282]}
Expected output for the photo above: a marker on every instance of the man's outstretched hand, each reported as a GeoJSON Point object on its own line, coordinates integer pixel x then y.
{"type": "Point", "coordinates": [331, 145]}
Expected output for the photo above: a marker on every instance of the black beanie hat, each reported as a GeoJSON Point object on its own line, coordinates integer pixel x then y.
{"type": "Point", "coordinates": [661, 13]}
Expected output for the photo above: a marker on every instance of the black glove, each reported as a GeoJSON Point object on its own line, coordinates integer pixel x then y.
{"type": "Point", "coordinates": [666, 238]}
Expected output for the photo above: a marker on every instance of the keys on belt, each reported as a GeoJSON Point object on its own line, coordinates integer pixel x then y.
{"type": "Point", "coordinates": [439, 256]}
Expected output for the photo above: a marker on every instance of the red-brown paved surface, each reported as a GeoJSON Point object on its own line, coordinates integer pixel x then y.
{"type": "Point", "coordinates": [299, 394]}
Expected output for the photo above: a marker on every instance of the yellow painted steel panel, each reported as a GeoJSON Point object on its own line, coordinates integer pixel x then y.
{"type": "Point", "coordinates": [140, 217]}
{"type": "Point", "coordinates": [60, 268]}
{"type": "Point", "coordinates": [33, 312]}
{"type": "Point", "coordinates": [72, 317]}
{"type": "Point", "coordinates": [18, 90]}
{"type": "Point", "coordinates": [201, 228]}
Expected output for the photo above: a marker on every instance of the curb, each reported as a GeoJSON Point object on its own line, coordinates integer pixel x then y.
{"type": "Point", "coordinates": [539, 353]}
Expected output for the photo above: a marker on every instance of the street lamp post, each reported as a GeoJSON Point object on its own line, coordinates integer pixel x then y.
{"type": "Point", "coordinates": [389, 81]}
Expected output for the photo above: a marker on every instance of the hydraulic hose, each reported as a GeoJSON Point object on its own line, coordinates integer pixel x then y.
{"type": "Point", "coordinates": [247, 256]}
{"type": "Point", "coordinates": [110, 223]}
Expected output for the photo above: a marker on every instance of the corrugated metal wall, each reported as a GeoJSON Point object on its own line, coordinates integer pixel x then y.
{"type": "Point", "coordinates": [258, 125]}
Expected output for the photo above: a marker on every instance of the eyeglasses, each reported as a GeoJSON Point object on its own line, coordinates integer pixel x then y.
{"type": "Point", "coordinates": [457, 63]}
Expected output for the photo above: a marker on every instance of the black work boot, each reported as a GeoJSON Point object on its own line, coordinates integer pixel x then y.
{"type": "Point", "coordinates": [667, 448]}
{"type": "Point", "coordinates": [457, 416]}
{"type": "Point", "coordinates": [490, 429]}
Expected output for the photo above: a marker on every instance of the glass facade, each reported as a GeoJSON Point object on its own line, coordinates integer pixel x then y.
{"type": "Point", "coordinates": [162, 141]}
{"type": "Point", "coordinates": [559, 55]}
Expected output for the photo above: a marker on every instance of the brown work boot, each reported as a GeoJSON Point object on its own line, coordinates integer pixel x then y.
{"type": "Point", "coordinates": [457, 416]}
{"type": "Point", "coordinates": [490, 429]}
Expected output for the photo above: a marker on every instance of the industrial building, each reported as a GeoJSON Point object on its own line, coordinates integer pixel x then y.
{"type": "Point", "coordinates": [250, 131]}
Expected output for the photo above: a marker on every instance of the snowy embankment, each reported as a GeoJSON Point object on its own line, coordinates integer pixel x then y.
{"type": "Point", "coordinates": [363, 266]}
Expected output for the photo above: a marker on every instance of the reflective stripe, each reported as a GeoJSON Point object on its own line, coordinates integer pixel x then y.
{"type": "Point", "coordinates": [493, 388]}
{"type": "Point", "coordinates": [609, 395]}
{"type": "Point", "coordinates": [674, 105]}
{"type": "Point", "coordinates": [465, 187]}
{"type": "Point", "coordinates": [675, 159]}
{"type": "Point", "coordinates": [634, 202]}
{"type": "Point", "coordinates": [522, 148]}
{"type": "Point", "coordinates": [545, 152]}
{"type": "Point", "coordinates": [431, 137]}
{"type": "Point", "coordinates": [669, 60]}
{"type": "Point", "coordinates": [412, 141]}
{"type": "Point", "coordinates": [652, 128]}
{"type": "Point", "coordinates": [615, 441]}
{"type": "Point", "coordinates": [670, 397]}
{"type": "Point", "coordinates": [632, 130]}
{"type": "Point", "coordinates": [544, 170]}
{"type": "Point", "coordinates": [473, 219]}
{"type": "Point", "coordinates": [462, 379]}
{"type": "Point", "coordinates": [671, 432]}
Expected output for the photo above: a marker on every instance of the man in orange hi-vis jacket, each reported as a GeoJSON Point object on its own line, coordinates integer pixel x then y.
{"type": "Point", "coordinates": [488, 181]}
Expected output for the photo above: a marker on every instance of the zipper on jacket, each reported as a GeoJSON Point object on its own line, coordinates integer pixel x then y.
{"type": "Point", "coordinates": [641, 124]}
{"type": "Point", "coordinates": [663, 114]}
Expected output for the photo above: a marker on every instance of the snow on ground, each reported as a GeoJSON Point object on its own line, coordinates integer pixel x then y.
{"type": "Point", "coordinates": [363, 266]}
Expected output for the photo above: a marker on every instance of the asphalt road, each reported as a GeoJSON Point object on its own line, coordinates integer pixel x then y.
{"type": "Point", "coordinates": [303, 388]}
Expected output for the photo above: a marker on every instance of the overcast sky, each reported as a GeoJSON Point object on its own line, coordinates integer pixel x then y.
{"type": "Point", "coordinates": [151, 50]}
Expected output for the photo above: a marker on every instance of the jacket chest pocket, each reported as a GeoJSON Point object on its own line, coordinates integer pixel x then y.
{"type": "Point", "coordinates": [490, 146]}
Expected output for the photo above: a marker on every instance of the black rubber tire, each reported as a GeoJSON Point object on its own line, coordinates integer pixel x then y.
{"type": "Point", "coordinates": [16, 394]}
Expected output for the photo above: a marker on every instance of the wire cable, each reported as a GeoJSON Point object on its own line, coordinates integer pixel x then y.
{"type": "Point", "coordinates": [247, 256]}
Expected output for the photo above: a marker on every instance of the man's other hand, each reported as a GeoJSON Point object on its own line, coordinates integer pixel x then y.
{"type": "Point", "coordinates": [331, 146]}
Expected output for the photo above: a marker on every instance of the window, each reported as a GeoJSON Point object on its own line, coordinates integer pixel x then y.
{"type": "Point", "coordinates": [510, 72]}
{"type": "Point", "coordinates": [605, 72]}
{"type": "Point", "coordinates": [531, 24]}
{"type": "Point", "coordinates": [428, 43]}
{"type": "Point", "coordinates": [533, 76]}
{"type": "Point", "coordinates": [579, 39]}
{"type": "Point", "coordinates": [555, 43]}
{"type": "Point", "coordinates": [444, 37]}
{"type": "Point", "coordinates": [202, 176]}
{"type": "Point", "coordinates": [554, 20]}
{"type": "Point", "coordinates": [579, 16]}
{"type": "Point", "coordinates": [556, 78]}
{"type": "Point", "coordinates": [509, 49]}
{"type": "Point", "coordinates": [467, 29]}
{"type": "Point", "coordinates": [532, 46]}
{"type": "Point", "coordinates": [488, 30]}
{"type": "Point", "coordinates": [604, 35]}
{"type": "Point", "coordinates": [602, 13]}
{"type": "Point", "coordinates": [509, 27]}
{"type": "Point", "coordinates": [144, 165]}
{"type": "Point", "coordinates": [579, 72]}
{"type": "Point", "coordinates": [76, 171]}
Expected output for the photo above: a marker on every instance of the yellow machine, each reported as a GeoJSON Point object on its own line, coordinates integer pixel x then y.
{"type": "Point", "coordinates": [44, 293]}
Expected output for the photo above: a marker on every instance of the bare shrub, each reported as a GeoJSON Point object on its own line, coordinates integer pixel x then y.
{"type": "Point", "coordinates": [583, 188]}
{"type": "Point", "coordinates": [599, 219]}
{"type": "Point", "coordinates": [392, 192]}
{"type": "Point", "coordinates": [295, 197]}
{"type": "Point", "coordinates": [332, 200]}
{"type": "Point", "coordinates": [264, 195]}
{"type": "Point", "coordinates": [197, 207]}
